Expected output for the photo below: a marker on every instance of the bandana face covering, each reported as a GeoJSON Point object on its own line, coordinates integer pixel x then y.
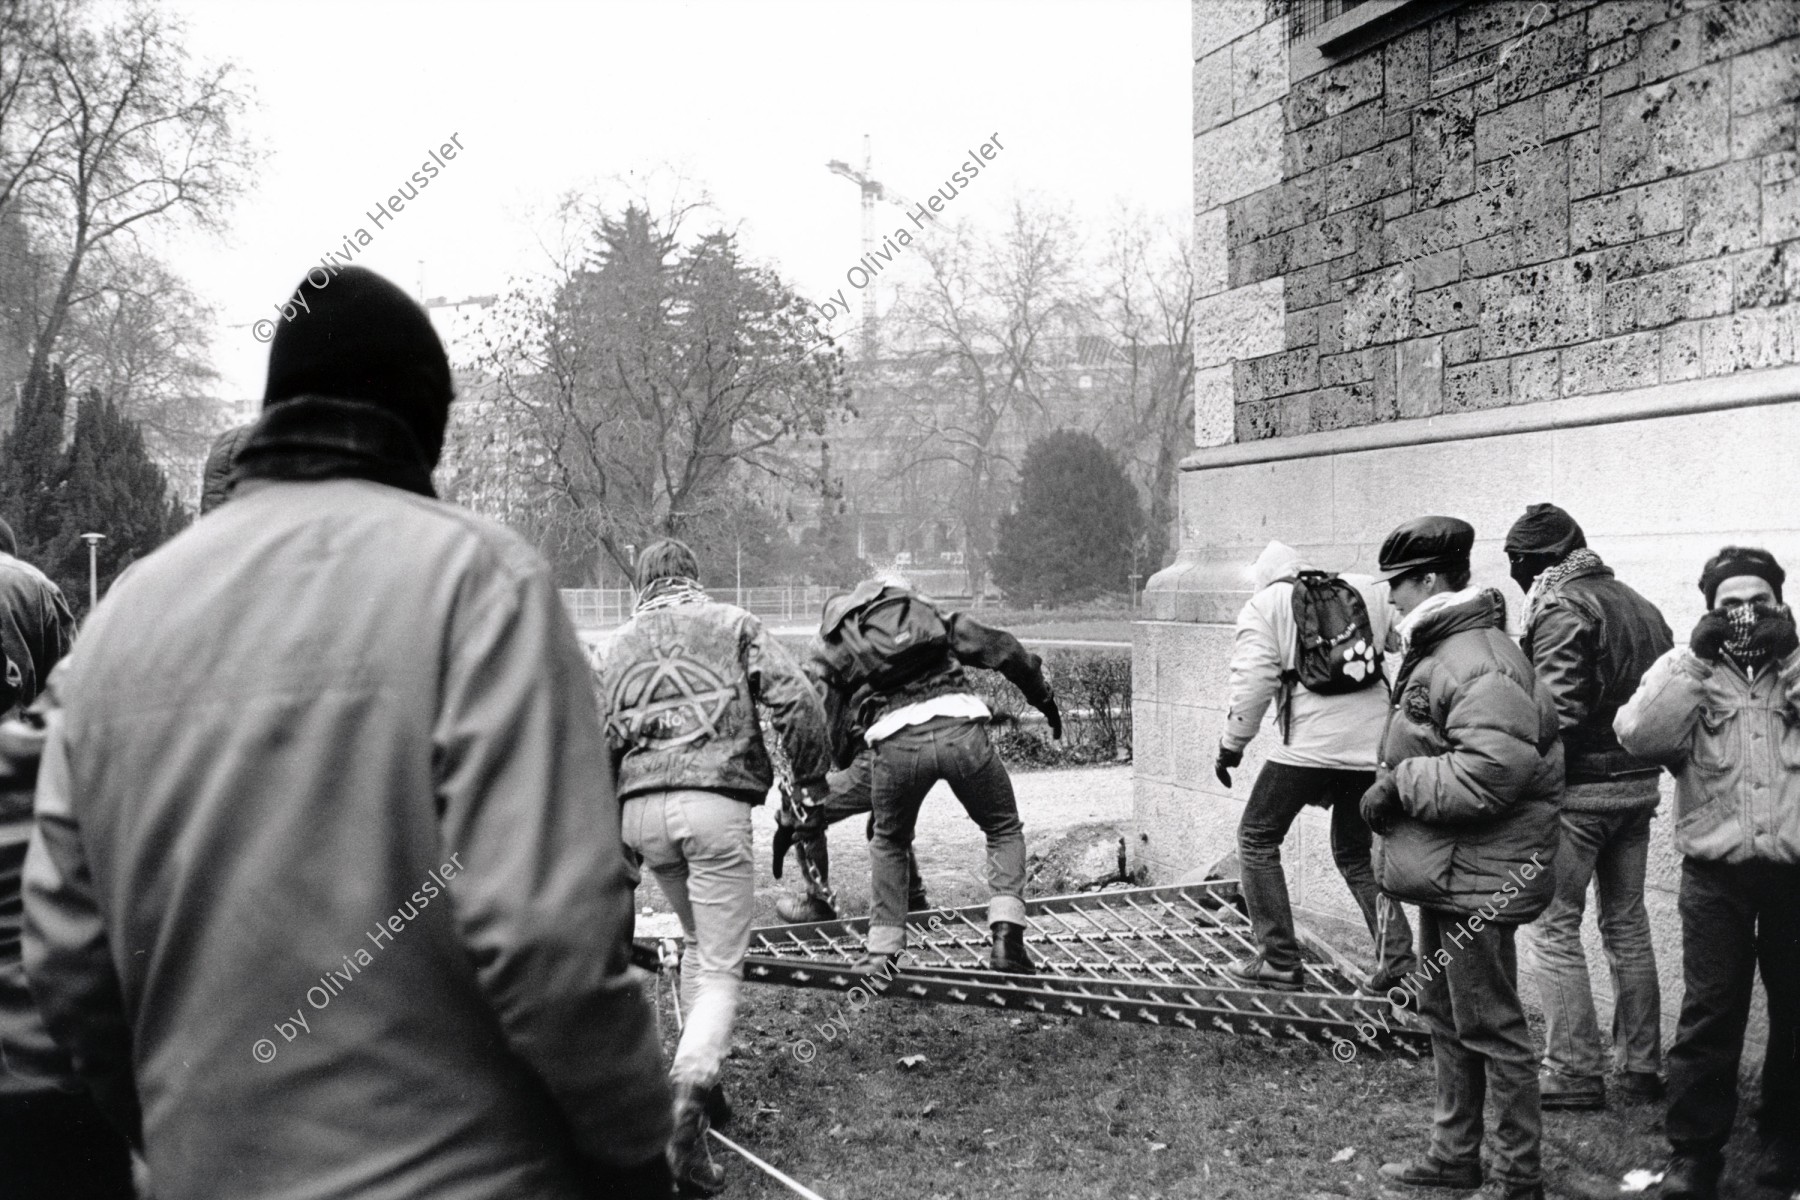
{"type": "Point", "coordinates": [1743, 624]}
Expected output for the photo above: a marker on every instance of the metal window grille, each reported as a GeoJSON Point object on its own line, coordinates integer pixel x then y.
{"type": "Point", "coordinates": [1306, 16]}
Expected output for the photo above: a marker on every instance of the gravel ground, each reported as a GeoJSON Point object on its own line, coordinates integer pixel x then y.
{"type": "Point", "coordinates": [949, 846]}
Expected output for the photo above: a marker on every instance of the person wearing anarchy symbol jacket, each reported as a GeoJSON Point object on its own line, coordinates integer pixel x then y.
{"type": "Point", "coordinates": [891, 666]}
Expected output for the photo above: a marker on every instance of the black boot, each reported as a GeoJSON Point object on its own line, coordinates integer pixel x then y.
{"type": "Point", "coordinates": [1691, 1177]}
{"type": "Point", "coordinates": [1009, 950]}
{"type": "Point", "coordinates": [690, 1159]}
{"type": "Point", "coordinates": [718, 1108]}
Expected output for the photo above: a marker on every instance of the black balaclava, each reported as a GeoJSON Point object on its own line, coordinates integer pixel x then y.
{"type": "Point", "coordinates": [359, 337]}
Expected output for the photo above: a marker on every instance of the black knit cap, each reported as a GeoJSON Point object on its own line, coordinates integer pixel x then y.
{"type": "Point", "coordinates": [1426, 542]}
{"type": "Point", "coordinates": [1733, 561]}
{"type": "Point", "coordinates": [1545, 529]}
{"type": "Point", "coordinates": [359, 337]}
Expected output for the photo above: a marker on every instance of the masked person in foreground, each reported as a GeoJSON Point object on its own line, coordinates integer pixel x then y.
{"type": "Point", "coordinates": [892, 667]}
{"type": "Point", "coordinates": [1723, 712]}
{"type": "Point", "coordinates": [326, 897]}
{"type": "Point", "coordinates": [683, 681]}
{"type": "Point", "coordinates": [1465, 805]}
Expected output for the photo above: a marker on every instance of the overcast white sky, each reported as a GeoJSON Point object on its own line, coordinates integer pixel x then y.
{"type": "Point", "coordinates": [749, 99]}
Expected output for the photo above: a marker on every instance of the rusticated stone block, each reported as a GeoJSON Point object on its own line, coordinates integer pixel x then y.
{"type": "Point", "coordinates": [1734, 30]}
{"type": "Point", "coordinates": [1765, 131]}
{"type": "Point", "coordinates": [1255, 420]}
{"type": "Point", "coordinates": [1691, 291]}
{"type": "Point", "coordinates": [1536, 376]}
{"type": "Point", "coordinates": [1666, 129]}
{"type": "Point", "coordinates": [1355, 181]}
{"type": "Point", "coordinates": [1572, 108]}
{"type": "Point", "coordinates": [1478, 385]}
{"type": "Point", "coordinates": [1511, 129]}
{"type": "Point", "coordinates": [1765, 276]}
{"type": "Point", "coordinates": [1613, 20]}
{"type": "Point", "coordinates": [1258, 68]}
{"type": "Point", "coordinates": [1277, 374]}
{"type": "Point", "coordinates": [1443, 144]}
{"type": "Point", "coordinates": [1377, 308]}
{"type": "Point", "coordinates": [1407, 63]}
{"type": "Point", "coordinates": [1354, 366]}
{"type": "Point", "coordinates": [1443, 309]}
{"type": "Point", "coordinates": [1420, 365]}
{"type": "Point", "coordinates": [1386, 382]}
{"type": "Point", "coordinates": [1767, 77]}
{"type": "Point", "coordinates": [1352, 83]}
{"type": "Point", "coordinates": [1536, 308]}
{"type": "Point", "coordinates": [1212, 90]}
{"type": "Point", "coordinates": [1219, 22]}
{"type": "Point", "coordinates": [1627, 215]}
{"type": "Point", "coordinates": [1362, 127]}
{"type": "Point", "coordinates": [1584, 163]}
{"type": "Point", "coordinates": [1781, 211]}
{"type": "Point", "coordinates": [1721, 209]}
{"type": "Point", "coordinates": [1548, 55]}
{"type": "Point", "coordinates": [1678, 355]}
{"type": "Point", "coordinates": [1343, 407]}
{"type": "Point", "coordinates": [1747, 341]}
{"type": "Point", "coordinates": [1611, 365]}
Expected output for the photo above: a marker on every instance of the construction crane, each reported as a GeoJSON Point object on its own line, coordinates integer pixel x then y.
{"type": "Point", "coordinates": [872, 190]}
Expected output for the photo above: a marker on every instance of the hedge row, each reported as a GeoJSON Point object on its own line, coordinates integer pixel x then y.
{"type": "Point", "coordinates": [1093, 692]}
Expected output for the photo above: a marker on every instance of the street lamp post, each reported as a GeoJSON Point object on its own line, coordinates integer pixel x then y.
{"type": "Point", "coordinates": [93, 540]}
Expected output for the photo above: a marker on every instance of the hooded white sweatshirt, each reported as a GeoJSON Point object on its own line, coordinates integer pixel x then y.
{"type": "Point", "coordinates": [1328, 731]}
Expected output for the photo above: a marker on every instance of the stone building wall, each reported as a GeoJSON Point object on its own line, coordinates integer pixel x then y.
{"type": "Point", "coordinates": [1522, 252]}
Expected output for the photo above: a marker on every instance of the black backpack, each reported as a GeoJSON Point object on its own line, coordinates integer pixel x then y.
{"type": "Point", "coordinates": [891, 639]}
{"type": "Point", "coordinates": [1336, 651]}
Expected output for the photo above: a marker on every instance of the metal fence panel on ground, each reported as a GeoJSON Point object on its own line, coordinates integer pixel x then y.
{"type": "Point", "coordinates": [604, 608]}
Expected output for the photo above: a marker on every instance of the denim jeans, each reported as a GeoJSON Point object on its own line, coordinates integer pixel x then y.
{"type": "Point", "coordinates": [1608, 849]}
{"type": "Point", "coordinates": [905, 766]}
{"type": "Point", "coordinates": [849, 794]}
{"type": "Point", "coordinates": [1480, 1045]}
{"type": "Point", "coordinates": [698, 846]}
{"type": "Point", "coordinates": [1735, 917]}
{"type": "Point", "coordinates": [1281, 791]}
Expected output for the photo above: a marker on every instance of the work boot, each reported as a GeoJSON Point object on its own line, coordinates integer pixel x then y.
{"type": "Point", "coordinates": [1639, 1087]}
{"type": "Point", "coordinates": [917, 901]}
{"type": "Point", "coordinates": [1778, 1164]}
{"type": "Point", "coordinates": [690, 1159]}
{"type": "Point", "coordinates": [1691, 1177]}
{"type": "Point", "coordinates": [1386, 979]}
{"type": "Point", "coordinates": [1571, 1093]}
{"type": "Point", "coordinates": [718, 1108]}
{"type": "Point", "coordinates": [1009, 950]}
{"type": "Point", "coordinates": [1429, 1172]}
{"type": "Point", "coordinates": [1255, 971]}
{"type": "Point", "coordinates": [804, 910]}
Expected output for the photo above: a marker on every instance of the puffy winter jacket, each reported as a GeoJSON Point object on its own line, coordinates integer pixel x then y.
{"type": "Point", "coordinates": [682, 686]}
{"type": "Point", "coordinates": [215, 477]}
{"type": "Point", "coordinates": [1591, 639]}
{"type": "Point", "coordinates": [1733, 744]}
{"type": "Point", "coordinates": [851, 709]}
{"type": "Point", "coordinates": [327, 874]}
{"type": "Point", "coordinates": [1471, 739]}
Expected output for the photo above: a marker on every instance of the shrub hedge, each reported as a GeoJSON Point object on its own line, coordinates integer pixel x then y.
{"type": "Point", "coordinates": [1093, 692]}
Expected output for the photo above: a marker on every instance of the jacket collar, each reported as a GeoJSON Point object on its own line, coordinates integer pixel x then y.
{"type": "Point", "coordinates": [319, 437]}
{"type": "Point", "coordinates": [1446, 613]}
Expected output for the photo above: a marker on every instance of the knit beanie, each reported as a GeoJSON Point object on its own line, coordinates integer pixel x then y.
{"type": "Point", "coordinates": [1545, 529]}
{"type": "Point", "coordinates": [1733, 561]}
{"type": "Point", "coordinates": [356, 336]}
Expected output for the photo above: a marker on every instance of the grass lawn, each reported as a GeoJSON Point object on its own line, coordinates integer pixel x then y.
{"type": "Point", "coordinates": [1003, 1105]}
{"type": "Point", "coordinates": [1010, 1106]}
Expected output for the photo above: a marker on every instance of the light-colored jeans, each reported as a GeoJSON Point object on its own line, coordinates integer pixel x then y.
{"type": "Point", "coordinates": [698, 846]}
{"type": "Point", "coordinates": [1608, 849]}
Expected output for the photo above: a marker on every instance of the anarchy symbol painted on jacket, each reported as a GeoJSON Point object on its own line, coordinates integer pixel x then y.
{"type": "Point", "coordinates": [667, 701]}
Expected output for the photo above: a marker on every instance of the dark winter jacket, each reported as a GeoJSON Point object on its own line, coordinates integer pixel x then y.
{"type": "Point", "coordinates": [327, 878]}
{"type": "Point", "coordinates": [215, 477]}
{"type": "Point", "coordinates": [851, 709]}
{"type": "Point", "coordinates": [1591, 639]}
{"type": "Point", "coordinates": [36, 630]}
{"type": "Point", "coordinates": [682, 686]}
{"type": "Point", "coordinates": [1471, 739]}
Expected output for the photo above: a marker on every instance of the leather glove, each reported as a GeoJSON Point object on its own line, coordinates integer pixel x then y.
{"type": "Point", "coordinates": [1227, 759]}
{"type": "Point", "coordinates": [1775, 632]}
{"type": "Point", "coordinates": [1710, 635]}
{"type": "Point", "coordinates": [1052, 715]}
{"type": "Point", "coordinates": [784, 840]}
{"type": "Point", "coordinates": [1381, 803]}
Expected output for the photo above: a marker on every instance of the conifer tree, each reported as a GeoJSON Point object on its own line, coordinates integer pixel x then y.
{"type": "Point", "coordinates": [1078, 518]}
{"type": "Point", "coordinates": [110, 486]}
{"type": "Point", "coordinates": [31, 463]}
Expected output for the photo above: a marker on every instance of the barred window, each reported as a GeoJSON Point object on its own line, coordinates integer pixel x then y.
{"type": "Point", "coordinates": [1305, 16]}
